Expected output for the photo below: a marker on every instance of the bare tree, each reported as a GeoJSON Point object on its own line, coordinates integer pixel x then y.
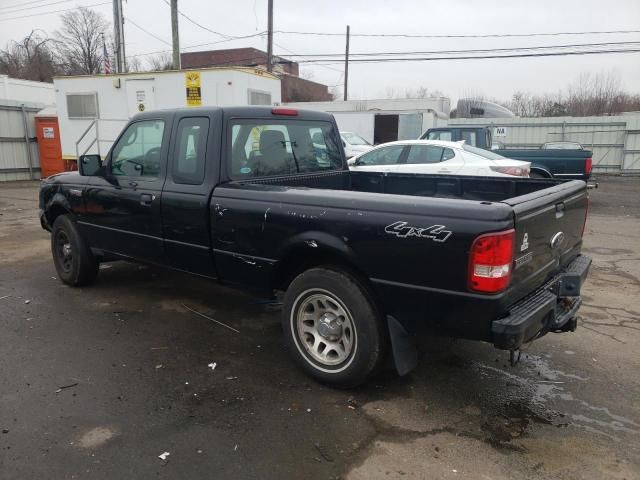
{"type": "Point", "coordinates": [162, 61]}
{"type": "Point", "coordinates": [32, 58]}
{"type": "Point", "coordinates": [79, 41]}
{"type": "Point", "coordinates": [134, 64]}
{"type": "Point", "coordinates": [590, 94]}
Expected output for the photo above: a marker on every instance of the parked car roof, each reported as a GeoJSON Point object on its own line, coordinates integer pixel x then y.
{"type": "Point", "coordinates": [438, 143]}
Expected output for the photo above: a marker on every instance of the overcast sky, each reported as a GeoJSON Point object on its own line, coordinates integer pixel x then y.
{"type": "Point", "coordinates": [492, 77]}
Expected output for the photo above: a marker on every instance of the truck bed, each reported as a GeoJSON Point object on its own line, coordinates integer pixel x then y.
{"type": "Point", "coordinates": [490, 189]}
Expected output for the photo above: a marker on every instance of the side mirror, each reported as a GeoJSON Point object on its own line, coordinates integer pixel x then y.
{"type": "Point", "coordinates": [351, 162]}
{"type": "Point", "coordinates": [90, 165]}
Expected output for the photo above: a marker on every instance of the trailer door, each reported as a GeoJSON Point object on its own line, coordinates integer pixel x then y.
{"type": "Point", "coordinates": [409, 126]}
{"type": "Point", "coordinates": [140, 96]}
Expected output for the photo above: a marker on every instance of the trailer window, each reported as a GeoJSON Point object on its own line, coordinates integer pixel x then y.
{"type": "Point", "coordinates": [82, 105]}
{"type": "Point", "coordinates": [257, 97]}
{"type": "Point", "coordinates": [267, 147]}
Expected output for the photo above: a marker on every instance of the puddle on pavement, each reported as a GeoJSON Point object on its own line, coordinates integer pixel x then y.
{"type": "Point", "coordinates": [541, 395]}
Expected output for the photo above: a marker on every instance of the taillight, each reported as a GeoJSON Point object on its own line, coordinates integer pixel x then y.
{"type": "Point", "coordinates": [588, 165]}
{"type": "Point", "coordinates": [515, 171]}
{"type": "Point", "coordinates": [292, 112]}
{"type": "Point", "coordinates": [490, 261]}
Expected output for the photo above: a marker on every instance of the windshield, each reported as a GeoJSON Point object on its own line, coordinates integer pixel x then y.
{"type": "Point", "coordinates": [481, 152]}
{"type": "Point", "coordinates": [353, 139]}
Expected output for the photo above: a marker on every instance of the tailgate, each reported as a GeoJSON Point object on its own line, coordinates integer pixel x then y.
{"type": "Point", "coordinates": [549, 224]}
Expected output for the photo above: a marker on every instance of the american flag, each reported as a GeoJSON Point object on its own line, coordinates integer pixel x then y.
{"type": "Point", "coordinates": [105, 57]}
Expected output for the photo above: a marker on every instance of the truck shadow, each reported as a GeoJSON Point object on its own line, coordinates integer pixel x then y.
{"type": "Point", "coordinates": [465, 388]}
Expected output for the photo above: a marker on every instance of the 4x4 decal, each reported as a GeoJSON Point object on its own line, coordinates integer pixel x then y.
{"type": "Point", "coordinates": [435, 232]}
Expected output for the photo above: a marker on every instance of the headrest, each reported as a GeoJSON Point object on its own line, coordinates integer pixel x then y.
{"type": "Point", "coordinates": [271, 140]}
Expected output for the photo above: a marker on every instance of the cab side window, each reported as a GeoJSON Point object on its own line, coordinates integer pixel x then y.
{"type": "Point", "coordinates": [137, 152]}
{"type": "Point", "coordinates": [469, 136]}
{"type": "Point", "coordinates": [189, 156]}
{"type": "Point", "coordinates": [440, 135]}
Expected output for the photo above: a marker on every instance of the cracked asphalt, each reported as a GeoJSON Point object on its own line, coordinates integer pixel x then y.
{"type": "Point", "coordinates": [99, 382]}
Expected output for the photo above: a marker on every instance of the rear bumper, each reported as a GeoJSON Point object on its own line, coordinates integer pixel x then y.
{"type": "Point", "coordinates": [551, 308]}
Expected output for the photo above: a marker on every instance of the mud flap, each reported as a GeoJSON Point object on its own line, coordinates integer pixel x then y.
{"type": "Point", "coordinates": [403, 346]}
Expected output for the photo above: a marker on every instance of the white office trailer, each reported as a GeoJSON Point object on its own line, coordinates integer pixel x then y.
{"type": "Point", "coordinates": [386, 120]}
{"type": "Point", "coordinates": [20, 100]}
{"type": "Point", "coordinates": [92, 109]}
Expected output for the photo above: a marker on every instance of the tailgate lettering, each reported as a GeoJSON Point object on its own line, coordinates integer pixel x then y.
{"type": "Point", "coordinates": [437, 233]}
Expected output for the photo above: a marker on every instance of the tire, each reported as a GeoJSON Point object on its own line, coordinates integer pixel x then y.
{"type": "Point", "coordinates": [72, 257]}
{"type": "Point", "coordinates": [329, 306]}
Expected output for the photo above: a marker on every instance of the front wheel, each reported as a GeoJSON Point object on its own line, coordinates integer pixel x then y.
{"type": "Point", "coordinates": [333, 327]}
{"type": "Point", "coordinates": [72, 257]}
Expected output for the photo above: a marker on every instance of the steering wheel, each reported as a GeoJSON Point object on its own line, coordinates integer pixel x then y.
{"type": "Point", "coordinates": [152, 154]}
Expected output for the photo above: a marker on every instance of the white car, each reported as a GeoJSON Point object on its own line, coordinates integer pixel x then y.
{"type": "Point", "coordinates": [437, 157]}
{"type": "Point", "coordinates": [354, 144]}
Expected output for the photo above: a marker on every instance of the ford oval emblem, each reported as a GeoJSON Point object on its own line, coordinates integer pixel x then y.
{"type": "Point", "coordinates": [557, 240]}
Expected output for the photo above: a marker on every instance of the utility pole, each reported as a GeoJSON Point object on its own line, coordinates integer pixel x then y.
{"type": "Point", "coordinates": [118, 37]}
{"type": "Point", "coordinates": [175, 37]}
{"type": "Point", "coordinates": [270, 38]}
{"type": "Point", "coordinates": [346, 67]}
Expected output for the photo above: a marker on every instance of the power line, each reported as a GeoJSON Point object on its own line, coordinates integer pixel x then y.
{"type": "Point", "coordinates": [226, 37]}
{"type": "Point", "coordinates": [187, 47]}
{"type": "Point", "coordinates": [53, 11]}
{"type": "Point", "coordinates": [22, 4]}
{"type": "Point", "coordinates": [304, 56]}
{"type": "Point", "coordinates": [484, 50]}
{"type": "Point", "coordinates": [146, 31]}
{"type": "Point", "coordinates": [488, 35]}
{"type": "Point", "coordinates": [473, 57]}
{"type": "Point", "coordinates": [32, 7]}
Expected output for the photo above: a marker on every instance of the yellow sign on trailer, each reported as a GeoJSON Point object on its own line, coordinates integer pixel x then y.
{"type": "Point", "coordinates": [194, 93]}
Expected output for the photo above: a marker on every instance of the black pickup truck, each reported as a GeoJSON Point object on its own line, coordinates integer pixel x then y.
{"type": "Point", "coordinates": [262, 198]}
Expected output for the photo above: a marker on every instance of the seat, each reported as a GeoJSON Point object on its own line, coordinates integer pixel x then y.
{"type": "Point", "coordinates": [273, 158]}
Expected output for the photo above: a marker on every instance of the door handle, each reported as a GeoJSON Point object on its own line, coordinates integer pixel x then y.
{"type": "Point", "coordinates": [133, 184]}
{"type": "Point", "coordinates": [146, 199]}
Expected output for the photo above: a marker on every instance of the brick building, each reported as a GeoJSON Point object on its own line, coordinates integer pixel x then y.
{"type": "Point", "coordinates": [294, 88]}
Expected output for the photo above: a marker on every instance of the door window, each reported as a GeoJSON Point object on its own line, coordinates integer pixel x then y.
{"type": "Point", "coordinates": [137, 153]}
{"type": "Point", "coordinates": [440, 135]}
{"type": "Point", "coordinates": [382, 156]}
{"type": "Point", "coordinates": [190, 151]}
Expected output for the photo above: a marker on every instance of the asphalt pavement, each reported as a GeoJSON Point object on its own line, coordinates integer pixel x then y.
{"type": "Point", "coordinates": [99, 382]}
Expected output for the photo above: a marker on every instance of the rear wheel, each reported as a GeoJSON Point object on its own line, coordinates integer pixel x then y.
{"type": "Point", "coordinates": [72, 257]}
{"type": "Point", "coordinates": [333, 327]}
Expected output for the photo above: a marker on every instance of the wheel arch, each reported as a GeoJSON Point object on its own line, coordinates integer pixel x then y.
{"type": "Point", "coordinates": [541, 170]}
{"type": "Point", "coordinates": [312, 249]}
{"type": "Point", "coordinates": [58, 205]}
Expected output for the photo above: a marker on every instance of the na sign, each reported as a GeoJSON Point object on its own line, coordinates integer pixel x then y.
{"type": "Point", "coordinates": [500, 131]}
